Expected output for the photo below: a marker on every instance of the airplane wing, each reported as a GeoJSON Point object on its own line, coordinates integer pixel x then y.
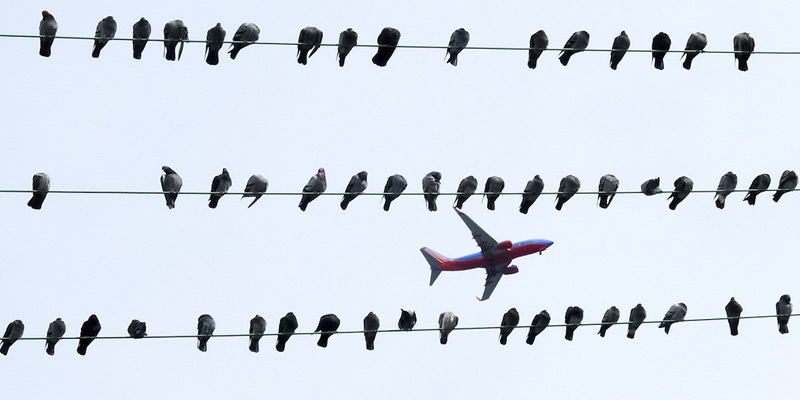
{"type": "Point", "coordinates": [492, 279]}
{"type": "Point", "coordinates": [485, 241]}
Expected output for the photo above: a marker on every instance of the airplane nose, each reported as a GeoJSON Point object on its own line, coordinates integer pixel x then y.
{"type": "Point", "coordinates": [547, 242]}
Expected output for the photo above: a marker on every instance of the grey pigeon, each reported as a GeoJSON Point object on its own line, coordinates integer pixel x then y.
{"type": "Point", "coordinates": [205, 328]}
{"type": "Point", "coordinates": [683, 186]}
{"type": "Point", "coordinates": [638, 315]}
{"type": "Point", "coordinates": [137, 329]}
{"type": "Point", "coordinates": [651, 187]}
{"type": "Point", "coordinates": [611, 317]}
{"type": "Point", "coordinates": [447, 322]}
{"type": "Point", "coordinates": [327, 326]}
{"type": "Point", "coordinates": [371, 325]}
{"type": "Point", "coordinates": [41, 185]}
{"type": "Point", "coordinates": [608, 187]}
{"type": "Point", "coordinates": [694, 46]}
{"type": "Point", "coordinates": [395, 185]}
{"type": "Point", "coordinates": [733, 310]}
{"type": "Point", "coordinates": [89, 331]}
{"type": "Point", "coordinates": [387, 40]}
{"type": "Point", "coordinates": [746, 44]}
{"type": "Point", "coordinates": [430, 186]}
{"type": "Point", "coordinates": [507, 325]}
{"type": "Point", "coordinates": [572, 318]}
{"type": "Point", "coordinates": [286, 327]}
{"type": "Point", "coordinates": [727, 184]}
{"type": "Point", "coordinates": [310, 39]}
{"type": "Point", "coordinates": [407, 320]}
{"type": "Point", "coordinates": [256, 186]}
{"type": "Point", "coordinates": [783, 308]}
{"type": "Point", "coordinates": [215, 38]}
{"type": "Point", "coordinates": [676, 313]}
{"type": "Point", "coordinates": [174, 32]}
{"type": "Point", "coordinates": [458, 41]}
{"type": "Point", "coordinates": [356, 186]}
{"type": "Point", "coordinates": [106, 29]}
{"type": "Point", "coordinates": [55, 331]}
{"type": "Point", "coordinates": [347, 40]}
{"type": "Point", "coordinates": [315, 186]}
{"type": "Point", "coordinates": [760, 184]}
{"type": "Point", "coordinates": [247, 33]}
{"type": "Point", "coordinates": [141, 34]}
{"type": "Point", "coordinates": [577, 43]}
{"type": "Point", "coordinates": [13, 333]}
{"type": "Point", "coordinates": [532, 191]}
{"type": "Point", "coordinates": [219, 185]}
{"type": "Point", "coordinates": [47, 27]}
{"type": "Point", "coordinates": [466, 188]}
{"type": "Point", "coordinates": [787, 184]}
{"type": "Point", "coordinates": [538, 45]}
{"type": "Point", "coordinates": [618, 49]}
{"type": "Point", "coordinates": [661, 45]}
{"type": "Point", "coordinates": [494, 186]}
{"type": "Point", "coordinates": [171, 182]}
{"type": "Point", "coordinates": [258, 325]}
{"type": "Point", "coordinates": [539, 323]}
{"type": "Point", "coordinates": [566, 189]}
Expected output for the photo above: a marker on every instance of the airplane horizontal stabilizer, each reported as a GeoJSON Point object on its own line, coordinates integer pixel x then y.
{"type": "Point", "coordinates": [435, 260]}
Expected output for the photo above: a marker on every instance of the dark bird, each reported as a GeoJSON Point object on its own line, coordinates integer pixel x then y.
{"type": "Point", "coordinates": [13, 333]}
{"type": "Point", "coordinates": [387, 40]}
{"type": "Point", "coordinates": [89, 330]}
{"type": "Point", "coordinates": [256, 187]}
{"type": "Point", "coordinates": [258, 325]}
{"type": "Point", "coordinates": [430, 186]}
{"type": "Point", "coordinates": [566, 189]}
{"type": "Point", "coordinates": [371, 325]}
{"type": "Point", "coordinates": [407, 320]}
{"type": "Point", "coordinates": [610, 318]}
{"type": "Point", "coordinates": [538, 45]}
{"type": "Point", "coordinates": [746, 44]}
{"type": "Point", "coordinates": [315, 186]}
{"type": "Point", "coordinates": [507, 325]}
{"type": "Point", "coordinates": [327, 326]}
{"type": "Point", "coordinates": [458, 41]}
{"type": "Point", "coordinates": [137, 329]}
{"type": "Point", "coordinates": [395, 185]}
{"type": "Point", "coordinates": [286, 327]}
{"type": "Point", "coordinates": [205, 328]}
{"type": "Point", "coordinates": [47, 27]}
{"type": "Point", "coordinates": [787, 184]}
{"type": "Point", "coordinates": [532, 191]}
{"type": "Point", "coordinates": [638, 314]}
{"type": "Point", "coordinates": [491, 191]}
{"type": "Point", "coordinates": [219, 185]}
{"type": "Point", "coordinates": [171, 182]}
{"type": "Point", "coordinates": [783, 308]}
{"type": "Point", "coordinates": [106, 29]}
{"type": "Point", "coordinates": [55, 332]}
{"type": "Point", "coordinates": [356, 186]}
{"type": "Point", "coordinates": [573, 319]}
{"type": "Point", "coordinates": [310, 39]}
{"type": "Point", "coordinates": [347, 40]}
{"type": "Point", "coordinates": [651, 187]}
{"type": "Point", "coordinates": [608, 188]}
{"type": "Point", "coordinates": [733, 310]}
{"type": "Point", "coordinates": [676, 313]}
{"type": "Point", "coordinates": [683, 186]}
{"type": "Point", "coordinates": [661, 45]}
{"type": "Point", "coordinates": [247, 33]}
{"type": "Point", "coordinates": [447, 322]}
{"type": "Point", "coordinates": [466, 188]}
{"type": "Point", "coordinates": [141, 34]}
{"type": "Point", "coordinates": [618, 49]}
{"type": "Point", "coordinates": [174, 32]}
{"type": "Point", "coordinates": [540, 321]}
{"type": "Point", "coordinates": [694, 46]}
{"type": "Point", "coordinates": [727, 184]}
{"type": "Point", "coordinates": [215, 38]}
{"type": "Point", "coordinates": [577, 43]}
{"type": "Point", "coordinates": [41, 185]}
{"type": "Point", "coordinates": [760, 184]}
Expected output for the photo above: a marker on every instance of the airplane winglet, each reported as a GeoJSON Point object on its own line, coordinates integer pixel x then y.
{"type": "Point", "coordinates": [479, 299]}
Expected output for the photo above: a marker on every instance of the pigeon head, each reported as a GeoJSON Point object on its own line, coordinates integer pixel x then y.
{"type": "Point", "coordinates": [362, 175]}
{"type": "Point", "coordinates": [786, 299]}
{"type": "Point", "coordinates": [321, 172]}
{"type": "Point", "coordinates": [436, 175]}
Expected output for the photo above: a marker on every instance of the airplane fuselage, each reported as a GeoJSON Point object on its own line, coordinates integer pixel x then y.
{"type": "Point", "coordinates": [477, 260]}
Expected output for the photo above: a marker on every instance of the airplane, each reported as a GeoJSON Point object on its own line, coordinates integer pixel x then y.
{"type": "Point", "coordinates": [494, 257]}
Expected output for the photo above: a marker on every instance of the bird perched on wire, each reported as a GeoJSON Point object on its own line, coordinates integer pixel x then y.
{"type": "Point", "coordinates": [466, 188]}
{"type": "Point", "coordinates": [219, 186]}
{"type": "Point", "coordinates": [610, 318]}
{"type": "Point", "coordinates": [387, 42]}
{"type": "Point", "coordinates": [327, 326]}
{"type": "Point", "coordinates": [141, 34]}
{"type": "Point", "coordinates": [55, 331]}
{"type": "Point", "coordinates": [660, 47]}
{"type": "Point", "coordinates": [430, 186]}
{"type": "Point", "coordinates": [258, 325]}
{"type": "Point", "coordinates": [347, 40]}
{"type": "Point", "coordinates": [539, 323]}
{"type": "Point", "coordinates": [683, 186]}
{"type": "Point", "coordinates": [566, 189]}
{"type": "Point", "coordinates": [746, 44]}
{"type": "Point", "coordinates": [695, 45]}
{"type": "Point", "coordinates": [733, 310]}
{"type": "Point", "coordinates": [215, 38]}
{"type": "Point", "coordinates": [41, 186]}
{"type": "Point", "coordinates": [783, 308]}
{"type": "Point", "coordinates": [607, 189]}
{"type": "Point", "coordinates": [491, 191]}
{"type": "Point", "coordinates": [727, 184]}
{"type": "Point", "coordinates": [175, 32]}
{"type": "Point", "coordinates": [89, 331]}
{"type": "Point", "coordinates": [576, 44]}
{"type": "Point", "coordinates": [676, 313]}
{"type": "Point", "coordinates": [356, 186]}
{"type": "Point", "coordinates": [572, 318]}
{"type": "Point", "coordinates": [286, 328]}
{"type": "Point", "coordinates": [395, 185]}
{"type": "Point", "coordinates": [787, 183]}
{"type": "Point", "coordinates": [538, 44]}
{"type": "Point", "coordinates": [407, 320]}
{"type": "Point", "coordinates": [447, 322]}
{"type": "Point", "coordinates": [106, 29]}
{"type": "Point", "coordinates": [13, 333]}
{"type": "Point", "coordinates": [637, 317]}
{"type": "Point", "coordinates": [651, 187]}
{"type": "Point", "coordinates": [458, 41]}
{"type": "Point", "coordinates": [171, 183]}
{"type": "Point", "coordinates": [48, 28]}
{"type": "Point", "coordinates": [309, 40]}
{"type": "Point", "coordinates": [315, 186]}
{"type": "Point", "coordinates": [508, 323]}
{"type": "Point", "coordinates": [137, 329]}
{"type": "Point", "coordinates": [371, 325]}
{"type": "Point", "coordinates": [618, 49]}
{"type": "Point", "coordinates": [248, 34]}
{"type": "Point", "coordinates": [205, 328]}
{"type": "Point", "coordinates": [532, 191]}
{"type": "Point", "coordinates": [759, 185]}
{"type": "Point", "coordinates": [255, 187]}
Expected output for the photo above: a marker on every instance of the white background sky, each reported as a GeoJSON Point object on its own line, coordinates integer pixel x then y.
{"type": "Point", "coordinates": [111, 123]}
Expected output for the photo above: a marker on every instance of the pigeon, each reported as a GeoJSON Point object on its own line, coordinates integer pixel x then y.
{"type": "Point", "coordinates": [638, 314]}
{"type": "Point", "coordinates": [727, 184]}
{"type": "Point", "coordinates": [746, 44]}
{"type": "Point", "coordinates": [683, 186]}
{"type": "Point", "coordinates": [507, 325]}
{"type": "Point", "coordinates": [316, 185]}
{"type": "Point", "coordinates": [55, 332]}
{"type": "Point", "coordinates": [577, 42]}
{"type": "Point", "coordinates": [651, 187]}
{"type": "Point", "coordinates": [395, 185]}
{"type": "Point", "coordinates": [137, 329]}
{"type": "Point", "coordinates": [387, 41]}
{"type": "Point", "coordinates": [328, 324]}
{"type": "Point", "coordinates": [174, 32]}
{"type": "Point", "coordinates": [787, 184]}
{"type": "Point", "coordinates": [407, 320]}
{"type": "Point", "coordinates": [371, 324]}
{"type": "Point", "coordinates": [458, 41]}
{"type": "Point", "coordinates": [466, 188]}
{"type": "Point", "coordinates": [258, 325]}
{"type": "Point", "coordinates": [566, 189]}
{"type": "Point", "coordinates": [783, 308]}
{"type": "Point", "coordinates": [611, 317]}
{"type": "Point", "coordinates": [661, 45]}
{"type": "Point", "coordinates": [47, 27]}
{"type": "Point", "coordinates": [447, 322]}
{"type": "Point", "coordinates": [215, 38]}
{"type": "Point", "coordinates": [540, 321]}
{"type": "Point", "coordinates": [141, 34]}
{"type": "Point", "coordinates": [538, 45]}
{"type": "Point", "coordinates": [247, 33]}
{"type": "Point", "coordinates": [618, 49]}
{"type": "Point", "coordinates": [573, 319]}
{"type": "Point", "coordinates": [676, 313]}
{"type": "Point", "coordinates": [310, 39]}
{"type": "Point", "coordinates": [41, 185]}
{"type": "Point", "coordinates": [356, 186]}
{"type": "Point", "coordinates": [430, 186]}
{"type": "Point", "coordinates": [171, 182]}
{"type": "Point", "coordinates": [608, 188]}
{"type": "Point", "coordinates": [256, 186]}
{"type": "Point", "coordinates": [694, 46]}
{"type": "Point", "coordinates": [219, 185]}
{"type": "Point", "coordinates": [13, 333]}
{"type": "Point", "coordinates": [347, 40]}
{"type": "Point", "coordinates": [286, 327]}
{"type": "Point", "coordinates": [205, 328]}
{"type": "Point", "coordinates": [532, 191]}
{"type": "Point", "coordinates": [494, 186]}
{"type": "Point", "coordinates": [89, 331]}
{"type": "Point", "coordinates": [760, 184]}
{"type": "Point", "coordinates": [106, 29]}
{"type": "Point", "coordinates": [733, 310]}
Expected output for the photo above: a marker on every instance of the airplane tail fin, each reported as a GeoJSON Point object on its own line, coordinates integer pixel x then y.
{"type": "Point", "coordinates": [435, 260]}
